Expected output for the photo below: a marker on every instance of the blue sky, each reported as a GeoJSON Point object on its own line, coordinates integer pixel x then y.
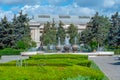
{"type": "Point", "coordinates": [59, 7]}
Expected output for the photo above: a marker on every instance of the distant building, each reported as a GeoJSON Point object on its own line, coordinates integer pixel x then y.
{"type": "Point", "coordinates": [37, 24]}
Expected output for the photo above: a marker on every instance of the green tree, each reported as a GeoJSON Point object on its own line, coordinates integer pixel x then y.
{"type": "Point", "coordinates": [114, 32]}
{"type": "Point", "coordinates": [45, 36]}
{"type": "Point", "coordinates": [61, 33]}
{"type": "Point", "coordinates": [6, 34]}
{"type": "Point", "coordinates": [22, 30]}
{"type": "Point", "coordinates": [49, 34]}
{"type": "Point", "coordinates": [21, 25]}
{"type": "Point", "coordinates": [96, 31]}
{"type": "Point", "coordinates": [73, 32]}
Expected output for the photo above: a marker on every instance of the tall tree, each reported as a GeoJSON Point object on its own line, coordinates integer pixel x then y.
{"type": "Point", "coordinates": [6, 33]}
{"type": "Point", "coordinates": [61, 33]}
{"type": "Point", "coordinates": [114, 32]}
{"type": "Point", "coordinates": [73, 32]}
{"type": "Point", "coordinates": [96, 31]}
{"type": "Point", "coordinates": [21, 25]}
{"type": "Point", "coordinates": [49, 34]}
{"type": "Point", "coordinates": [22, 30]}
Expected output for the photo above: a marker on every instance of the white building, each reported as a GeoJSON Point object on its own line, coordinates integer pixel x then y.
{"type": "Point", "coordinates": [37, 24]}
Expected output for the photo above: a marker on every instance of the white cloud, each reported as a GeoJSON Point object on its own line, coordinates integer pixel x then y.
{"type": "Point", "coordinates": [78, 7]}
{"type": "Point", "coordinates": [109, 3]}
{"type": "Point", "coordinates": [61, 10]}
{"type": "Point", "coordinates": [8, 1]}
{"type": "Point", "coordinates": [20, 2]}
{"type": "Point", "coordinates": [8, 14]}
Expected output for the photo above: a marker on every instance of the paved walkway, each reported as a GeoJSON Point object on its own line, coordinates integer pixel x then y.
{"type": "Point", "coordinates": [11, 58]}
{"type": "Point", "coordinates": [110, 65]}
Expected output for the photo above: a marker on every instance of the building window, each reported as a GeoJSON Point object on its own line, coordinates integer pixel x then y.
{"type": "Point", "coordinates": [41, 31]}
{"type": "Point", "coordinates": [43, 16]}
{"type": "Point", "coordinates": [41, 28]}
{"type": "Point", "coordinates": [83, 16]}
{"type": "Point", "coordinates": [64, 16]}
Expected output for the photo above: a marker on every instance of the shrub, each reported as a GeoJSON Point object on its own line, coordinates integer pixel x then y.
{"type": "Point", "coordinates": [48, 73]}
{"type": "Point", "coordinates": [93, 44]}
{"type": "Point", "coordinates": [79, 78]}
{"type": "Point", "coordinates": [117, 51]}
{"type": "Point", "coordinates": [59, 62]}
{"type": "Point", "coordinates": [51, 62]}
{"type": "Point", "coordinates": [59, 56]}
{"type": "Point", "coordinates": [10, 51]}
{"type": "Point", "coordinates": [22, 45]}
{"type": "Point", "coordinates": [51, 67]}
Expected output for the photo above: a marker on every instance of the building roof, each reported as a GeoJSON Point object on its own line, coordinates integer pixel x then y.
{"type": "Point", "coordinates": [66, 19]}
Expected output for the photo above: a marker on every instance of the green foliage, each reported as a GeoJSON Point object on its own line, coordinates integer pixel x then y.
{"type": "Point", "coordinates": [93, 45]}
{"type": "Point", "coordinates": [52, 62]}
{"type": "Point", "coordinates": [117, 52]}
{"type": "Point", "coordinates": [114, 32]}
{"type": "Point", "coordinates": [22, 28]}
{"type": "Point", "coordinates": [73, 32]}
{"type": "Point", "coordinates": [10, 51]}
{"type": "Point", "coordinates": [49, 34]}
{"type": "Point", "coordinates": [12, 32]}
{"type": "Point", "coordinates": [79, 78]}
{"type": "Point", "coordinates": [61, 33]}
{"type": "Point", "coordinates": [21, 45]}
{"type": "Point", "coordinates": [47, 72]}
{"type": "Point", "coordinates": [59, 60]}
{"type": "Point", "coordinates": [59, 56]}
{"type": "Point", "coordinates": [85, 48]}
{"type": "Point", "coordinates": [72, 71]}
{"type": "Point", "coordinates": [6, 34]}
{"type": "Point", "coordinates": [96, 31]}
{"type": "Point", "coordinates": [25, 43]}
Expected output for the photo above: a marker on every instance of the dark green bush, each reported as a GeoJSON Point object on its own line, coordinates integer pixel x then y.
{"type": "Point", "coordinates": [61, 62]}
{"type": "Point", "coordinates": [51, 62]}
{"type": "Point", "coordinates": [59, 56]}
{"type": "Point", "coordinates": [117, 51]}
{"type": "Point", "coordinates": [51, 68]}
{"type": "Point", "coordinates": [79, 78]}
{"type": "Point", "coordinates": [7, 64]}
{"type": "Point", "coordinates": [10, 51]}
{"type": "Point", "coordinates": [22, 45]}
{"type": "Point", "coordinates": [48, 73]}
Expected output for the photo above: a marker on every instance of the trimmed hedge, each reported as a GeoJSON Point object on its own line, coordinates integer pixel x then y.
{"type": "Point", "coordinates": [51, 67]}
{"type": "Point", "coordinates": [10, 51]}
{"type": "Point", "coordinates": [48, 73]}
{"type": "Point", "coordinates": [57, 56]}
{"type": "Point", "coordinates": [117, 51]}
{"type": "Point", "coordinates": [61, 63]}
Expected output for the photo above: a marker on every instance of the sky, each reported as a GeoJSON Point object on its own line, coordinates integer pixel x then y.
{"type": "Point", "coordinates": [59, 7]}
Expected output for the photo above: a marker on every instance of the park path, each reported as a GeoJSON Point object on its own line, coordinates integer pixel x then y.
{"type": "Point", "coordinates": [5, 59]}
{"type": "Point", "coordinates": [110, 65]}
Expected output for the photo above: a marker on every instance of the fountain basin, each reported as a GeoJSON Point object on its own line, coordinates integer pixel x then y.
{"type": "Point", "coordinates": [58, 48]}
{"type": "Point", "coordinates": [75, 48]}
{"type": "Point", "coordinates": [29, 53]}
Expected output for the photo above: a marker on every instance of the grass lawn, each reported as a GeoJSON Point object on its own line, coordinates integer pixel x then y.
{"type": "Point", "coordinates": [52, 67]}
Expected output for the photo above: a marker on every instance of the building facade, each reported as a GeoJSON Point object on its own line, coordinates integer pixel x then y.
{"type": "Point", "coordinates": [37, 24]}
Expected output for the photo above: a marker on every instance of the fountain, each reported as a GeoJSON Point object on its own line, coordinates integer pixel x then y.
{"type": "Point", "coordinates": [67, 44]}
{"type": "Point", "coordinates": [75, 46]}
{"type": "Point", "coordinates": [58, 47]}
